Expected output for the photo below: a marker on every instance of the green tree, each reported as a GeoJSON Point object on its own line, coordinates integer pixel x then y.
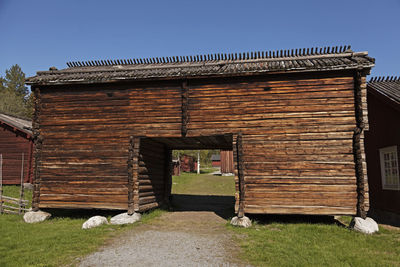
{"type": "Point", "coordinates": [14, 95]}
{"type": "Point", "coordinates": [15, 80]}
{"type": "Point", "coordinates": [2, 81]}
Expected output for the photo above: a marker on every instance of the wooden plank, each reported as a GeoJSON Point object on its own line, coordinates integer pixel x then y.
{"type": "Point", "coordinates": [240, 167]}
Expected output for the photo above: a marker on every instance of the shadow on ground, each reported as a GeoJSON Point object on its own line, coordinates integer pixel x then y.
{"type": "Point", "coordinates": [295, 219]}
{"type": "Point", "coordinates": [81, 213]}
{"type": "Point", "coordinates": [223, 206]}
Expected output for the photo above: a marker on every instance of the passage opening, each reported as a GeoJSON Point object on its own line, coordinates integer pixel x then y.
{"type": "Point", "coordinates": [208, 187]}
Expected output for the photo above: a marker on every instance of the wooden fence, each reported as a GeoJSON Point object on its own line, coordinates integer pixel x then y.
{"type": "Point", "coordinates": [10, 204]}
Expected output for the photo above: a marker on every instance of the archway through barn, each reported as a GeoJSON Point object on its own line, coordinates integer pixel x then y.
{"type": "Point", "coordinates": [209, 191]}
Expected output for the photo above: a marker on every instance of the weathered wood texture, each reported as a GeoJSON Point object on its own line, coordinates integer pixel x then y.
{"type": "Point", "coordinates": [297, 139]}
{"type": "Point", "coordinates": [227, 161]}
{"type": "Point", "coordinates": [152, 174]}
{"type": "Point", "coordinates": [12, 144]}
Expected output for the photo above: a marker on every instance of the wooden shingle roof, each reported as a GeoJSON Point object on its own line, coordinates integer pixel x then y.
{"type": "Point", "coordinates": [386, 86]}
{"type": "Point", "coordinates": [212, 65]}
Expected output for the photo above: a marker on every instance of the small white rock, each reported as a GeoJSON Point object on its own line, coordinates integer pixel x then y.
{"type": "Point", "coordinates": [242, 222]}
{"type": "Point", "coordinates": [124, 218]}
{"type": "Point", "coordinates": [94, 222]}
{"type": "Point", "coordinates": [374, 226]}
{"type": "Point", "coordinates": [36, 216]}
{"type": "Point", "coordinates": [367, 226]}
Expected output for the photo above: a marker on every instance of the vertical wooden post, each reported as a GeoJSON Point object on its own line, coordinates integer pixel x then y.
{"type": "Point", "coordinates": [130, 176]}
{"type": "Point", "coordinates": [21, 193]}
{"type": "Point", "coordinates": [29, 160]}
{"type": "Point", "coordinates": [135, 172]}
{"type": "Point", "coordinates": [357, 145]}
{"type": "Point", "coordinates": [240, 166]}
{"type": "Point", "coordinates": [168, 175]}
{"type": "Point", "coordinates": [37, 138]}
{"type": "Point", "coordinates": [1, 183]}
{"type": "Point", "coordinates": [185, 104]}
{"type": "Point", "coordinates": [198, 161]}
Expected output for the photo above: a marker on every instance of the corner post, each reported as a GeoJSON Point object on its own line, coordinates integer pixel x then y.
{"type": "Point", "coordinates": [37, 153]}
{"type": "Point", "coordinates": [357, 150]}
{"type": "Point", "coordinates": [135, 172]}
{"type": "Point", "coordinates": [130, 175]}
{"type": "Point", "coordinates": [240, 166]}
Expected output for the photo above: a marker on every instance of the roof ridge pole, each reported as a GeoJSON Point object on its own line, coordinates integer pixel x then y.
{"type": "Point", "coordinates": [357, 135]}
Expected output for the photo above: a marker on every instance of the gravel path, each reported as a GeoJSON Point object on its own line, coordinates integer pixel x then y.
{"type": "Point", "coordinates": [180, 238]}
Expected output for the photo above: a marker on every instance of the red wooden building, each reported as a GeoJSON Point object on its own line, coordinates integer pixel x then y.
{"type": "Point", "coordinates": [15, 140]}
{"type": "Point", "coordinates": [188, 163]}
{"type": "Point", "coordinates": [216, 160]}
{"type": "Point", "coordinates": [382, 144]}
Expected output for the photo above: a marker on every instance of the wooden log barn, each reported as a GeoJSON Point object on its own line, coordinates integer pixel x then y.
{"type": "Point", "coordinates": [382, 145]}
{"type": "Point", "coordinates": [104, 129]}
{"type": "Point", "coordinates": [16, 140]}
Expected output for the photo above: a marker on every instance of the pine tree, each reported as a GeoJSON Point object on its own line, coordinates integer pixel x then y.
{"type": "Point", "coordinates": [15, 80]}
{"type": "Point", "coordinates": [14, 95]}
{"type": "Point", "coordinates": [2, 82]}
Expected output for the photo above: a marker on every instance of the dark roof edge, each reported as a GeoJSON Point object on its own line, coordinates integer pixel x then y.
{"type": "Point", "coordinates": [378, 79]}
{"type": "Point", "coordinates": [217, 75]}
{"type": "Point", "coordinates": [26, 130]}
{"type": "Point", "coordinates": [387, 88]}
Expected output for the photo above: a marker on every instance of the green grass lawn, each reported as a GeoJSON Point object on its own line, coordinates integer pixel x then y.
{"type": "Point", "coordinates": [316, 244]}
{"type": "Point", "coordinates": [298, 240]}
{"type": "Point", "coordinates": [203, 184]}
{"type": "Point", "coordinates": [55, 242]}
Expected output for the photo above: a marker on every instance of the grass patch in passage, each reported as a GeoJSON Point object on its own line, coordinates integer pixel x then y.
{"type": "Point", "coordinates": [57, 241]}
{"type": "Point", "coordinates": [316, 244]}
{"type": "Point", "coordinates": [203, 184]}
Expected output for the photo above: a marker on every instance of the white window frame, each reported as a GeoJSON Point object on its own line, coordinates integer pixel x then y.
{"type": "Point", "coordinates": [390, 165]}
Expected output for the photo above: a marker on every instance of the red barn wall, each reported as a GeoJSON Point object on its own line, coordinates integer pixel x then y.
{"type": "Point", "coordinates": [384, 131]}
{"type": "Point", "coordinates": [12, 144]}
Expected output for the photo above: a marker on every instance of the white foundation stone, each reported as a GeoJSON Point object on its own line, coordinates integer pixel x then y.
{"type": "Point", "coordinates": [367, 226]}
{"type": "Point", "coordinates": [124, 218]}
{"type": "Point", "coordinates": [94, 222]}
{"type": "Point", "coordinates": [36, 216]}
{"type": "Point", "coordinates": [242, 222]}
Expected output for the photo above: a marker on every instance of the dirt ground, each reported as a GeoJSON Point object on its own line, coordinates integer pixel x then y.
{"type": "Point", "coordinates": [194, 234]}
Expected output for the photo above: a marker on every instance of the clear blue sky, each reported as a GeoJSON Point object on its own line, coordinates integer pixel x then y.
{"type": "Point", "coordinates": [39, 34]}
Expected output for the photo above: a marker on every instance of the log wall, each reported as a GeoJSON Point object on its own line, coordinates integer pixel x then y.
{"type": "Point", "coordinates": [297, 139]}
{"type": "Point", "coordinates": [86, 134]}
{"type": "Point", "coordinates": [151, 174]}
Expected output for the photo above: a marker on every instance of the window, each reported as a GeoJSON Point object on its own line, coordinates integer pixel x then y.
{"type": "Point", "coordinates": [389, 168]}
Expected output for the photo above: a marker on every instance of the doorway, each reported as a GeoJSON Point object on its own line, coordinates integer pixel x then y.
{"type": "Point", "coordinates": [189, 191]}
